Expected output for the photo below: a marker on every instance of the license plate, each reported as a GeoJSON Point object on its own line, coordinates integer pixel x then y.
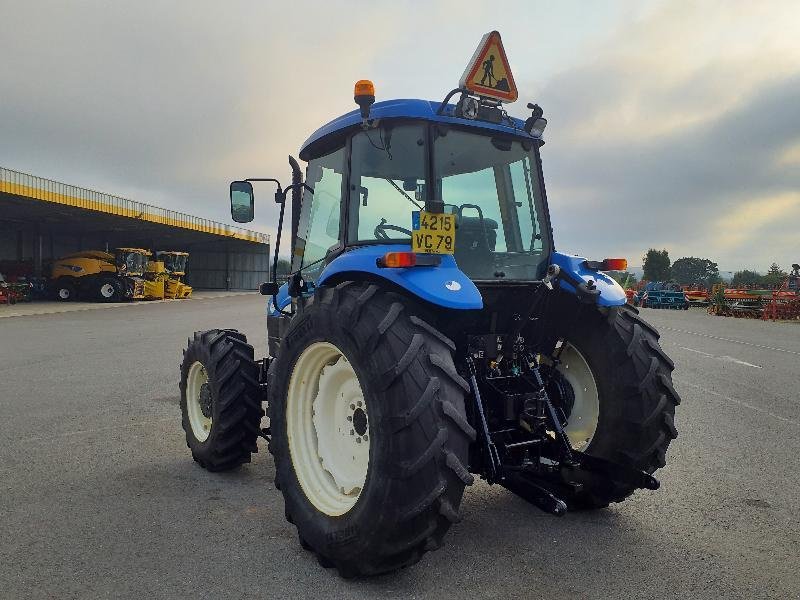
{"type": "Point", "coordinates": [433, 233]}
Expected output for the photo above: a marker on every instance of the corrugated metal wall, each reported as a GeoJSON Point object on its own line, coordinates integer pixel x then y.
{"type": "Point", "coordinates": [234, 269]}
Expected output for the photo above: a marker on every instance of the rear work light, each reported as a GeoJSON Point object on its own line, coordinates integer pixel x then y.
{"type": "Point", "coordinates": [608, 264]}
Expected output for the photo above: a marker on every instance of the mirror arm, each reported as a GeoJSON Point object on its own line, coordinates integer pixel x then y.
{"type": "Point", "coordinates": [296, 188]}
{"type": "Point", "coordinates": [279, 194]}
{"type": "Point", "coordinates": [274, 274]}
{"type": "Point", "coordinates": [280, 198]}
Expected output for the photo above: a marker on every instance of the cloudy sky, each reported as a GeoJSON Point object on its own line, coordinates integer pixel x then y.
{"type": "Point", "coordinates": [671, 124]}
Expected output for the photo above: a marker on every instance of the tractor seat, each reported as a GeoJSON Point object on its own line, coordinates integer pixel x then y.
{"type": "Point", "coordinates": [475, 245]}
{"type": "Point", "coordinates": [471, 236]}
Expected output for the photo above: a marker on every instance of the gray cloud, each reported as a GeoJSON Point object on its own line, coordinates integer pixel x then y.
{"type": "Point", "coordinates": [662, 124]}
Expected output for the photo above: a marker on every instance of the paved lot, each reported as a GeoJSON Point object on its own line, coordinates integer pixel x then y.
{"type": "Point", "coordinates": [99, 497]}
{"type": "Point", "coordinates": [50, 307]}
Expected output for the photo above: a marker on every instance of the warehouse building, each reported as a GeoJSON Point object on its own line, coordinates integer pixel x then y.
{"type": "Point", "coordinates": [41, 220]}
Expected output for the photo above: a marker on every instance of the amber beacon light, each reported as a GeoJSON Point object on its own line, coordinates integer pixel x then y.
{"type": "Point", "coordinates": [364, 95]}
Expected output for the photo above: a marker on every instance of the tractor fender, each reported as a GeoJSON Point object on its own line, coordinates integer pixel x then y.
{"type": "Point", "coordinates": [611, 293]}
{"type": "Point", "coordinates": [444, 285]}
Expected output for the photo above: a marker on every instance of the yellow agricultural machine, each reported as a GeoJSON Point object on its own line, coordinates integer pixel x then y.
{"type": "Point", "coordinates": [163, 278]}
{"type": "Point", "coordinates": [101, 276]}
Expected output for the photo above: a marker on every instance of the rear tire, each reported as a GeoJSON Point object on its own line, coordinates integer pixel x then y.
{"type": "Point", "coordinates": [637, 400]}
{"type": "Point", "coordinates": [418, 432]}
{"type": "Point", "coordinates": [220, 399]}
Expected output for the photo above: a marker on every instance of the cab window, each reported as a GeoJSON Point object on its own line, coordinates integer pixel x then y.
{"type": "Point", "coordinates": [318, 227]}
{"type": "Point", "coordinates": [387, 180]}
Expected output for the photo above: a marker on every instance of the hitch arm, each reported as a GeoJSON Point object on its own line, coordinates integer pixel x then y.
{"type": "Point", "coordinates": [495, 466]}
{"type": "Point", "coordinates": [615, 471]}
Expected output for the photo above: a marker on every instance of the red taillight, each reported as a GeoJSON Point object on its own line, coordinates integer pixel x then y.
{"type": "Point", "coordinates": [614, 264]}
{"type": "Point", "coordinates": [398, 260]}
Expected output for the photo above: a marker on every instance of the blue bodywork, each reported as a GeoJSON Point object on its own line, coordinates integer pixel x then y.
{"type": "Point", "coordinates": [444, 285]}
{"type": "Point", "coordinates": [424, 110]}
{"type": "Point", "coordinates": [611, 293]}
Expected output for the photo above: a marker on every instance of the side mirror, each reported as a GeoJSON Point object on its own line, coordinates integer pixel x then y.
{"type": "Point", "coordinates": [242, 201]}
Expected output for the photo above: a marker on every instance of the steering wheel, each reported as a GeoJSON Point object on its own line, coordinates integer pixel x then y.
{"type": "Point", "coordinates": [382, 227]}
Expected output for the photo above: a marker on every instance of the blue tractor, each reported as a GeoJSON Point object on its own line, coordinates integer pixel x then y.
{"type": "Point", "coordinates": [429, 333]}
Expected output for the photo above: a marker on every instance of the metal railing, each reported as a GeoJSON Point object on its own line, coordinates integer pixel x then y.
{"type": "Point", "coordinates": [47, 190]}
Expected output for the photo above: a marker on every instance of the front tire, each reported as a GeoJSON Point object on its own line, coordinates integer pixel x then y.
{"type": "Point", "coordinates": [108, 289]}
{"type": "Point", "coordinates": [358, 346]}
{"type": "Point", "coordinates": [64, 290]}
{"type": "Point", "coordinates": [220, 399]}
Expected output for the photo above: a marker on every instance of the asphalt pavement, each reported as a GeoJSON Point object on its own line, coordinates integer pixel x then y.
{"type": "Point", "coordinates": [99, 497]}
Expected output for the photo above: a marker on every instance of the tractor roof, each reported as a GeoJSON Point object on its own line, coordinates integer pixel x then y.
{"type": "Point", "coordinates": [322, 139]}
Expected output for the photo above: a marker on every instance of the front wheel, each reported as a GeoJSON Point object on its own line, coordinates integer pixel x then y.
{"type": "Point", "coordinates": [369, 429]}
{"type": "Point", "coordinates": [64, 290]}
{"type": "Point", "coordinates": [109, 289]}
{"type": "Point", "coordinates": [220, 399]}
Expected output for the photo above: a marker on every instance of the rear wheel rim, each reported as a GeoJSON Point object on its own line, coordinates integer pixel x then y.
{"type": "Point", "coordinates": [107, 290]}
{"type": "Point", "coordinates": [328, 429]}
{"type": "Point", "coordinates": [63, 293]}
{"type": "Point", "coordinates": [585, 414]}
{"type": "Point", "coordinates": [197, 384]}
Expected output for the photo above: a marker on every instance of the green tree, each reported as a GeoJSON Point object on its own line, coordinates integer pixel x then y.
{"type": "Point", "coordinates": [745, 278]}
{"type": "Point", "coordinates": [774, 276]}
{"type": "Point", "coordinates": [656, 265]}
{"type": "Point", "coordinates": [689, 270]}
{"type": "Point", "coordinates": [625, 279]}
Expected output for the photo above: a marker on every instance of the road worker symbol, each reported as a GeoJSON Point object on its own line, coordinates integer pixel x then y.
{"type": "Point", "coordinates": [488, 73]}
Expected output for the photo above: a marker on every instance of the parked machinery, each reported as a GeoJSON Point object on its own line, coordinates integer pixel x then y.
{"type": "Point", "coordinates": [175, 266]}
{"type": "Point", "coordinates": [163, 276]}
{"type": "Point", "coordinates": [663, 294]}
{"type": "Point", "coordinates": [155, 277]}
{"type": "Point", "coordinates": [11, 293]}
{"type": "Point", "coordinates": [696, 295]}
{"type": "Point", "coordinates": [785, 301]}
{"type": "Point", "coordinates": [100, 276]}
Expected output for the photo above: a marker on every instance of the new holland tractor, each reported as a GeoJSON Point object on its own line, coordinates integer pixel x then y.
{"type": "Point", "coordinates": [429, 333]}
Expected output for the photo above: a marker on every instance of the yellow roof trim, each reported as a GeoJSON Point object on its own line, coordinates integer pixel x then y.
{"type": "Point", "coordinates": [47, 190]}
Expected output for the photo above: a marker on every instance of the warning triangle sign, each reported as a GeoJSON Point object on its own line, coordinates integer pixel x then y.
{"type": "Point", "coordinates": [488, 73]}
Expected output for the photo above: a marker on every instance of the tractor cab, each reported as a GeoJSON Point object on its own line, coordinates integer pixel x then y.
{"type": "Point", "coordinates": [174, 262]}
{"type": "Point", "coordinates": [431, 181]}
{"type": "Point", "coordinates": [419, 185]}
{"type": "Point", "coordinates": [131, 262]}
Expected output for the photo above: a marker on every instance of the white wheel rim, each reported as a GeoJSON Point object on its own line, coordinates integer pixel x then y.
{"type": "Point", "coordinates": [200, 424]}
{"type": "Point", "coordinates": [328, 429]}
{"type": "Point", "coordinates": [106, 290]}
{"type": "Point", "coordinates": [582, 423]}
{"type": "Point", "coordinates": [63, 293]}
